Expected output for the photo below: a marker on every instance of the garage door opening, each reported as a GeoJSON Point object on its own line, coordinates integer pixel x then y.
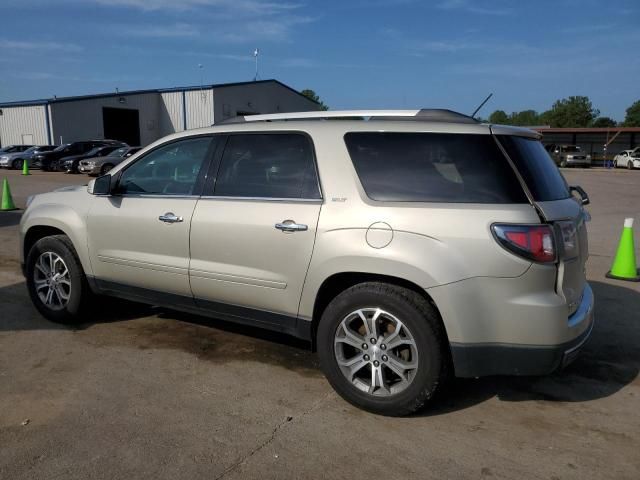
{"type": "Point", "coordinates": [121, 124]}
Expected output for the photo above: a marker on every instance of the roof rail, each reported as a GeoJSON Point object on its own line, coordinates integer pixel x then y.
{"type": "Point", "coordinates": [427, 115]}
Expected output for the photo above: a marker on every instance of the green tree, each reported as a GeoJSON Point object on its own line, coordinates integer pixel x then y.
{"type": "Point", "coordinates": [499, 117]}
{"type": "Point", "coordinates": [570, 112]}
{"type": "Point", "coordinates": [310, 94]}
{"type": "Point", "coordinates": [525, 118]}
{"type": "Point", "coordinates": [632, 118]}
{"type": "Point", "coordinates": [603, 122]}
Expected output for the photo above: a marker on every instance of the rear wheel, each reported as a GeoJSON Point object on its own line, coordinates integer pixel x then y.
{"type": "Point", "coordinates": [382, 347]}
{"type": "Point", "coordinates": [563, 163]}
{"type": "Point", "coordinates": [630, 165]}
{"type": "Point", "coordinates": [105, 168]}
{"type": "Point", "coordinates": [56, 281]}
{"type": "Point", "coordinates": [17, 164]}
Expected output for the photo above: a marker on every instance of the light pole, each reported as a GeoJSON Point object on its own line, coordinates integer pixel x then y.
{"type": "Point", "coordinates": [256, 52]}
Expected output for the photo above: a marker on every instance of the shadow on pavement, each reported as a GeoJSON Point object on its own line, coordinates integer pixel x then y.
{"type": "Point", "coordinates": [10, 218]}
{"type": "Point", "coordinates": [609, 361]}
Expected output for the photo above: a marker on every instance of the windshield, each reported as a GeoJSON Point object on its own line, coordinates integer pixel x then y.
{"type": "Point", "coordinates": [62, 148]}
{"type": "Point", "coordinates": [571, 148]}
{"type": "Point", "coordinates": [31, 150]}
{"type": "Point", "coordinates": [94, 151]}
{"type": "Point", "coordinates": [118, 152]}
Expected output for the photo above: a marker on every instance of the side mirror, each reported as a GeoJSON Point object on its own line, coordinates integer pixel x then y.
{"type": "Point", "coordinates": [584, 198]}
{"type": "Point", "coordinates": [100, 186]}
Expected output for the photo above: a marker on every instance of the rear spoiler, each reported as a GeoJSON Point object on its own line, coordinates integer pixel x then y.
{"type": "Point", "coordinates": [516, 131]}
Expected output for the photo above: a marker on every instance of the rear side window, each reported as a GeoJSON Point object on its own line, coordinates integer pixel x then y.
{"type": "Point", "coordinates": [433, 167]}
{"type": "Point", "coordinates": [544, 180]}
{"type": "Point", "coordinates": [268, 166]}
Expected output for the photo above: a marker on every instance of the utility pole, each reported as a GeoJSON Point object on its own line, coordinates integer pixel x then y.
{"type": "Point", "coordinates": [256, 52]}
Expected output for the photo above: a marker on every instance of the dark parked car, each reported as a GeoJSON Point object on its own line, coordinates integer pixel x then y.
{"type": "Point", "coordinates": [46, 160]}
{"type": "Point", "coordinates": [101, 165]}
{"type": "Point", "coordinates": [70, 164]}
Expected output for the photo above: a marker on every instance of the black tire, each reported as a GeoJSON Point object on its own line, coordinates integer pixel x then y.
{"type": "Point", "coordinates": [630, 165]}
{"type": "Point", "coordinates": [105, 168]}
{"type": "Point", "coordinates": [563, 163]}
{"type": "Point", "coordinates": [17, 164]}
{"type": "Point", "coordinates": [80, 294]}
{"type": "Point", "coordinates": [422, 320]}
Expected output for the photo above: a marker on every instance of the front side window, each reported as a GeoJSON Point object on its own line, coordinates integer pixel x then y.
{"type": "Point", "coordinates": [433, 167]}
{"type": "Point", "coordinates": [172, 169]}
{"type": "Point", "coordinates": [268, 166]}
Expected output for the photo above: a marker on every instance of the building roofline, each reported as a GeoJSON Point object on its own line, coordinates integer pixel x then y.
{"type": "Point", "coordinates": [544, 130]}
{"type": "Point", "coordinates": [47, 101]}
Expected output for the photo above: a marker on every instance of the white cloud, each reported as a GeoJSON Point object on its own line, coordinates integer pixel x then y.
{"type": "Point", "coordinates": [475, 6]}
{"type": "Point", "coordinates": [256, 7]}
{"type": "Point", "coordinates": [30, 46]}
{"type": "Point", "coordinates": [158, 31]}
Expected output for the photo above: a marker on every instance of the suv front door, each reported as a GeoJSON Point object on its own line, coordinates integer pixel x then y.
{"type": "Point", "coordinates": [253, 234]}
{"type": "Point", "coordinates": [139, 236]}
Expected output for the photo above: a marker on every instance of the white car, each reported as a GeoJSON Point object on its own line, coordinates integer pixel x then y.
{"type": "Point", "coordinates": [628, 158]}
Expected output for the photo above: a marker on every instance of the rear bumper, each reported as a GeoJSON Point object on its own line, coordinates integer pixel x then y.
{"type": "Point", "coordinates": [478, 360]}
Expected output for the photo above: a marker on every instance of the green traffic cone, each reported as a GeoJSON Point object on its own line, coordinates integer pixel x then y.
{"type": "Point", "coordinates": [624, 264]}
{"type": "Point", "coordinates": [7, 201]}
{"type": "Point", "coordinates": [25, 167]}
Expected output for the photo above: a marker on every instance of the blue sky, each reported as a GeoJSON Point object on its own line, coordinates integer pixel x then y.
{"type": "Point", "coordinates": [353, 53]}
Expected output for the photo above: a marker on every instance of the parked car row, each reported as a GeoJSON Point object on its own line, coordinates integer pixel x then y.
{"type": "Point", "coordinates": [14, 156]}
{"type": "Point", "coordinates": [572, 155]}
{"type": "Point", "coordinates": [94, 157]}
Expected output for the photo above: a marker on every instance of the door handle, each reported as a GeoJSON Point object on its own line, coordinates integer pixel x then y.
{"type": "Point", "coordinates": [291, 226]}
{"type": "Point", "coordinates": [170, 217]}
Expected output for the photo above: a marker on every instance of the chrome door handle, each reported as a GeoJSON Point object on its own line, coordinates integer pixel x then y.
{"type": "Point", "coordinates": [291, 226]}
{"type": "Point", "coordinates": [170, 217]}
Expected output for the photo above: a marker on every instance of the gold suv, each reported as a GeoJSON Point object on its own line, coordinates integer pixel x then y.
{"type": "Point", "coordinates": [404, 245]}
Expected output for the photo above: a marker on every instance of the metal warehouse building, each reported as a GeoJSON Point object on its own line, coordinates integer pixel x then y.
{"type": "Point", "coordinates": [141, 117]}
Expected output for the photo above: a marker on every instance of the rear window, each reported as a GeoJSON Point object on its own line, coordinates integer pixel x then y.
{"type": "Point", "coordinates": [538, 170]}
{"type": "Point", "coordinates": [433, 167]}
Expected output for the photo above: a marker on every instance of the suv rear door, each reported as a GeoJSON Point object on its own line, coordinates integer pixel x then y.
{"type": "Point", "coordinates": [253, 232]}
{"type": "Point", "coordinates": [552, 197]}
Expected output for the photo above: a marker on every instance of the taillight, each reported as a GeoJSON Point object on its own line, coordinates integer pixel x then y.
{"type": "Point", "coordinates": [533, 242]}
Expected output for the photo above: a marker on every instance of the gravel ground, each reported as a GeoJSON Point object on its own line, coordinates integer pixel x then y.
{"type": "Point", "coordinates": [142, 392]}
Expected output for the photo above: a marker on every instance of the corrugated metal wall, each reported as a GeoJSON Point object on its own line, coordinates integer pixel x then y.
{"type": "Point", "coordinates": [259, 98]}
{"type": "Point", "coordinates": [23, 125]}
{"type": "Point", "coordinates": [82, 119]}
{"type": "Point", "coordinates": [199, 108]}
{"type": "Point", "coordinates": [171, 113]}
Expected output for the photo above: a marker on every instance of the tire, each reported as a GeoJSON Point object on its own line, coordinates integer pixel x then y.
{"type": "Point", "coordinates": [78, 291]}
{"type": "Point", "coordinates": [17, 164]}
{"type": "Point", "coordinates": [105, 168]}
{"type": "Point", "coordinates": [421, 327]}
{"type": "Point", "coordinates": [630, 165]}
{"type": "Point", "coordinates": [563, 163]}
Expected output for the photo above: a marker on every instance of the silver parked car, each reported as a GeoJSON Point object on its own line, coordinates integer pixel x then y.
{"type": "Point", "coordinates": [15, 160]}
{"type": "Point", "coordinates": [569, 156]}
{"type": "Point", "coordinates": [101, 165]}
{"type": "Point", "coordinates": [404, 245]}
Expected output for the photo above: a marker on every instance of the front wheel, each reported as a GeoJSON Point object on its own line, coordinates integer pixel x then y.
{"type": "Point", "coordinates": [630, 165]}
{"type": "Point", "coordinates": [17, 164]}
{"type": "Point", "coordinates": [56, 281]}
{"type": "Point", "coordinates": [383, 348]}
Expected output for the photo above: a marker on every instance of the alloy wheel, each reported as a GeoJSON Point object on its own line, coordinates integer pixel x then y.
{"type": "Point", "coordinates": [52, 280]}
{"type": "Point", "coordinates": [376, 352]}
